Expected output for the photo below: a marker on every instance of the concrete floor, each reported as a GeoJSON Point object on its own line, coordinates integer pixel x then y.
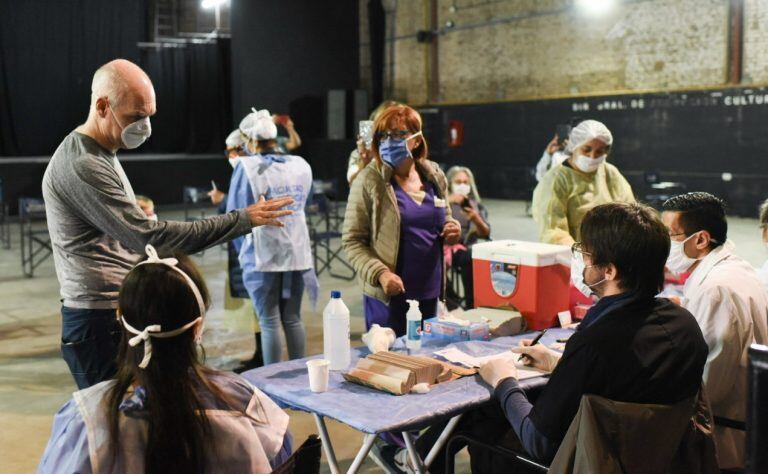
{"type": "Point", "coordinates": [35, 382]}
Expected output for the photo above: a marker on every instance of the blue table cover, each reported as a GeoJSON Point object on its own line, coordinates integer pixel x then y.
{"type": "Point", "coordinates": [372, 411]}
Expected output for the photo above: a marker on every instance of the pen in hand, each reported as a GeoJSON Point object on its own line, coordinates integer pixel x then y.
{"type": "Point", "coordinates": [533, 343]}
{"type": "Point", "coordinates": [213, 185]}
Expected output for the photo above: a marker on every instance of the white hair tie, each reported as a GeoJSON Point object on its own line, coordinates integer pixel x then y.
{"type": "Point", "coordinates": [155, 330]}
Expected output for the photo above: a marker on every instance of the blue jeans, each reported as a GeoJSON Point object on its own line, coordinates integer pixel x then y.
{"type": "Point", "coordinates": [89, 341]}
{"type": "Point", "coordinates": [277, 302]}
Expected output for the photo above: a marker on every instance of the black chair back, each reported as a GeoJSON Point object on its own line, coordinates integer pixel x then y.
{"type": "Point", "coordinates": [305, 460]}
{"type": "Point", "coordinates": [757, 410]}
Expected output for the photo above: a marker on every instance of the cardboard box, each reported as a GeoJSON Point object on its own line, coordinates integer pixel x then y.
{"type": "Point", "coordinates": [453, 332]}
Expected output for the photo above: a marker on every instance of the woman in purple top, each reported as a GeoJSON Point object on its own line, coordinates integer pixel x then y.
{"type": "Point", "coordinates": [397, 221]}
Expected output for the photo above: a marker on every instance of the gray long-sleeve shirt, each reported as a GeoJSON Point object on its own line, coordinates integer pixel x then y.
{"type": "Point", "coordinates": [99, 233]}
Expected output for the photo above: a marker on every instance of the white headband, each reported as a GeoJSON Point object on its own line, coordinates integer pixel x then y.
{"type": "Point", "coordinates": [155, 330]}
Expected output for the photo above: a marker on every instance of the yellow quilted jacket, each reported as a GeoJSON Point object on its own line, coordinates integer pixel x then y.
{"type": "Point", "coordinates": [371, 236]}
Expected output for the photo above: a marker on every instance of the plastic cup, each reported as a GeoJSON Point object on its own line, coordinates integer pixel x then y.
{"type": "Point", "coordinates": [318, 374]}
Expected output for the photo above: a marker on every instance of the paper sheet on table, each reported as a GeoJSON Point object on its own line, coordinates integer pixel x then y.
{"type": "Point", "coordinates": [455, 355]}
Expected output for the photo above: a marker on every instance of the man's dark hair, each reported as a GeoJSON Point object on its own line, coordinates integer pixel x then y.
{"type": "Point", "coordinates": [633, 239]}
{"type": "Point", "coordinates": [700, 211]}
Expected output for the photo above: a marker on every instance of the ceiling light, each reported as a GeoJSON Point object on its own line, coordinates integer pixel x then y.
{"type": "Point", "coordinates": [212, 3]}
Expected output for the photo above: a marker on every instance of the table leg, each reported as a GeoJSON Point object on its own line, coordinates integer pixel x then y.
{"type": "Point", "coordinates": [364, 450]}
{"type": "Point", "coordinates": [442, 440]}
{"type": "Point", "coordinates": [327, 446]}
{"type": "Point", "coordinates": [412, 453]}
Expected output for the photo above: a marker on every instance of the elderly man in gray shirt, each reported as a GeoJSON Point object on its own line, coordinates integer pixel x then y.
{"type": "Point", "coordinates": [97, 230]}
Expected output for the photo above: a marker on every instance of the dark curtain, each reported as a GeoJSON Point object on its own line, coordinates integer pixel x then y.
{"type": "Point", "coordinates": [194, 106]}
{"type": "Point", "coordinates": [286, 55]}
{"type": "Point", "coordinates": [49, 50]}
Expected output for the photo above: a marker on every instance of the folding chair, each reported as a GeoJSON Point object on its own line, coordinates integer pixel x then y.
{"type": "Point", "coordinates": [610, 441]}
{"type": "Point", "coordinates": [35, 240]}
{"type": "Point", "coordinates": [324, 222]}
{"type": "Point", "coordinates": [514, 457]}
{"type": "Point", "coordinates": [661, 190]}
{"type": "Point", "coordinates": [195, 198]}
{"type": "Point", "coordinates": [5, 225]}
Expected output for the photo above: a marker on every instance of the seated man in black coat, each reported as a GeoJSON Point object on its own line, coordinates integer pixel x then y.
{"type": "Point", "coordinates": [630, 347]}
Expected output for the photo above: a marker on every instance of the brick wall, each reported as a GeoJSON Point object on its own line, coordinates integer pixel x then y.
{"type": "Point", "coordinates": [524, 49]}
{"type": "Point", "coordinates": [755, 42]}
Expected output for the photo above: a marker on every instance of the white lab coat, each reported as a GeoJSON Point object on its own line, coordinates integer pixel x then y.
{"type": "Point", "coordinates": [730, 304]}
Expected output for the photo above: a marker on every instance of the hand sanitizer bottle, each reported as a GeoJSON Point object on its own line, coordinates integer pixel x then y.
{"type": "Point", "coordinates": [413, 319]}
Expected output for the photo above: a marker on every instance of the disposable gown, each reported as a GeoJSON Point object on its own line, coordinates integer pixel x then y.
{"type": "Point", "coordinates": [564, 196]}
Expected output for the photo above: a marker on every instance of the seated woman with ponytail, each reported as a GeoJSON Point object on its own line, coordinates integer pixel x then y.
{"type": "Point", "coordinates": [165, 411]}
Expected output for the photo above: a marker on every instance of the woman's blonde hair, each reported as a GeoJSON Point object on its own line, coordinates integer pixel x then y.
{"type": "Point", "coordinates": [399, 114]}
{"type": "Point", "coordinates": [454, 170]}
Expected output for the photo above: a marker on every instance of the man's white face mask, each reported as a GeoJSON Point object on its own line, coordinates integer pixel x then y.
{"type": "Point", "coordinates": [133, 134]}
{"type": "Point", "coordinates": [678, 262]}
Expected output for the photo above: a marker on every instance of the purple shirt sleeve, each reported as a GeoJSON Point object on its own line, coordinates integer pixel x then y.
{"type": "Point", "coordinates": [285, 451]}
{"type": "Point", "coordinates": [517, 409]}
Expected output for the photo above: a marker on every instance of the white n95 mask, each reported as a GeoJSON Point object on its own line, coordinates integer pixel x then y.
{"type": "Point", "coordinates": [134, 134]}
{"type": "Point", "coordinates": [678, 262]}
{"type": "Point", "coordinates": [461, 188]}
{"type": "Point", "coordinates": [587, 164]}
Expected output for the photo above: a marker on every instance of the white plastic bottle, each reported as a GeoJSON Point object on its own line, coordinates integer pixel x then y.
{"type": "Point", "coordinates": [413, 320]}
{"type": "Point", "coordinates": [336, 345]}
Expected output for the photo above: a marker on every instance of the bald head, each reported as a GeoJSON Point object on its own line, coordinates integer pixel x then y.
{"type": "Point", "coordinates": [120, 80]}
{"type": "Point", "coordinates": [121, 94]}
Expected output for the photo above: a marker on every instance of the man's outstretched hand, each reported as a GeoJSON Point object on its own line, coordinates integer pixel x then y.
{"type": "Point", "coordinates": [267, 212]}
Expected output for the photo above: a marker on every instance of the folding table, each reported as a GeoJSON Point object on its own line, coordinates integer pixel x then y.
{"type": "Point", "coordinates": [373, 412]}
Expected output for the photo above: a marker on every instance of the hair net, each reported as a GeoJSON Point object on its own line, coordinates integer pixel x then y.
{"type": "Point", "coordinates": [234, 139]}
{"type": "Point", "coordinates": [259, 125]}
{"type": "Point", "coordinates": [586, 131]}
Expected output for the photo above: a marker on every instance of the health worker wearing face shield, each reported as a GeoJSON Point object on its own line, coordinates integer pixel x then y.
{"type": "Point", "coordinates": [97, 229]}
{"type": "Point", "coordinates": [585, 180]}
{"type": "Point", "coordinates": [725, 295]}
{"type": "Point", "coordinates": [397, 221]}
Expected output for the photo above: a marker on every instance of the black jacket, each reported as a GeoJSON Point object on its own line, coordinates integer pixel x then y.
{"type": "Point", "coordinates": [646, 351]}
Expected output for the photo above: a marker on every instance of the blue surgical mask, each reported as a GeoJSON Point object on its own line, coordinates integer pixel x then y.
{"type": "Point", "coordinates": [395, 151]}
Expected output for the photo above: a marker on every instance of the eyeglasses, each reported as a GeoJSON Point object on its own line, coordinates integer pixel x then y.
{"type": "Point", "coordinates": [679, 233]}
{"type": "Point", "coordinates": [577, 248]}
{"type": "Point", "coordinates": [397, 134]}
